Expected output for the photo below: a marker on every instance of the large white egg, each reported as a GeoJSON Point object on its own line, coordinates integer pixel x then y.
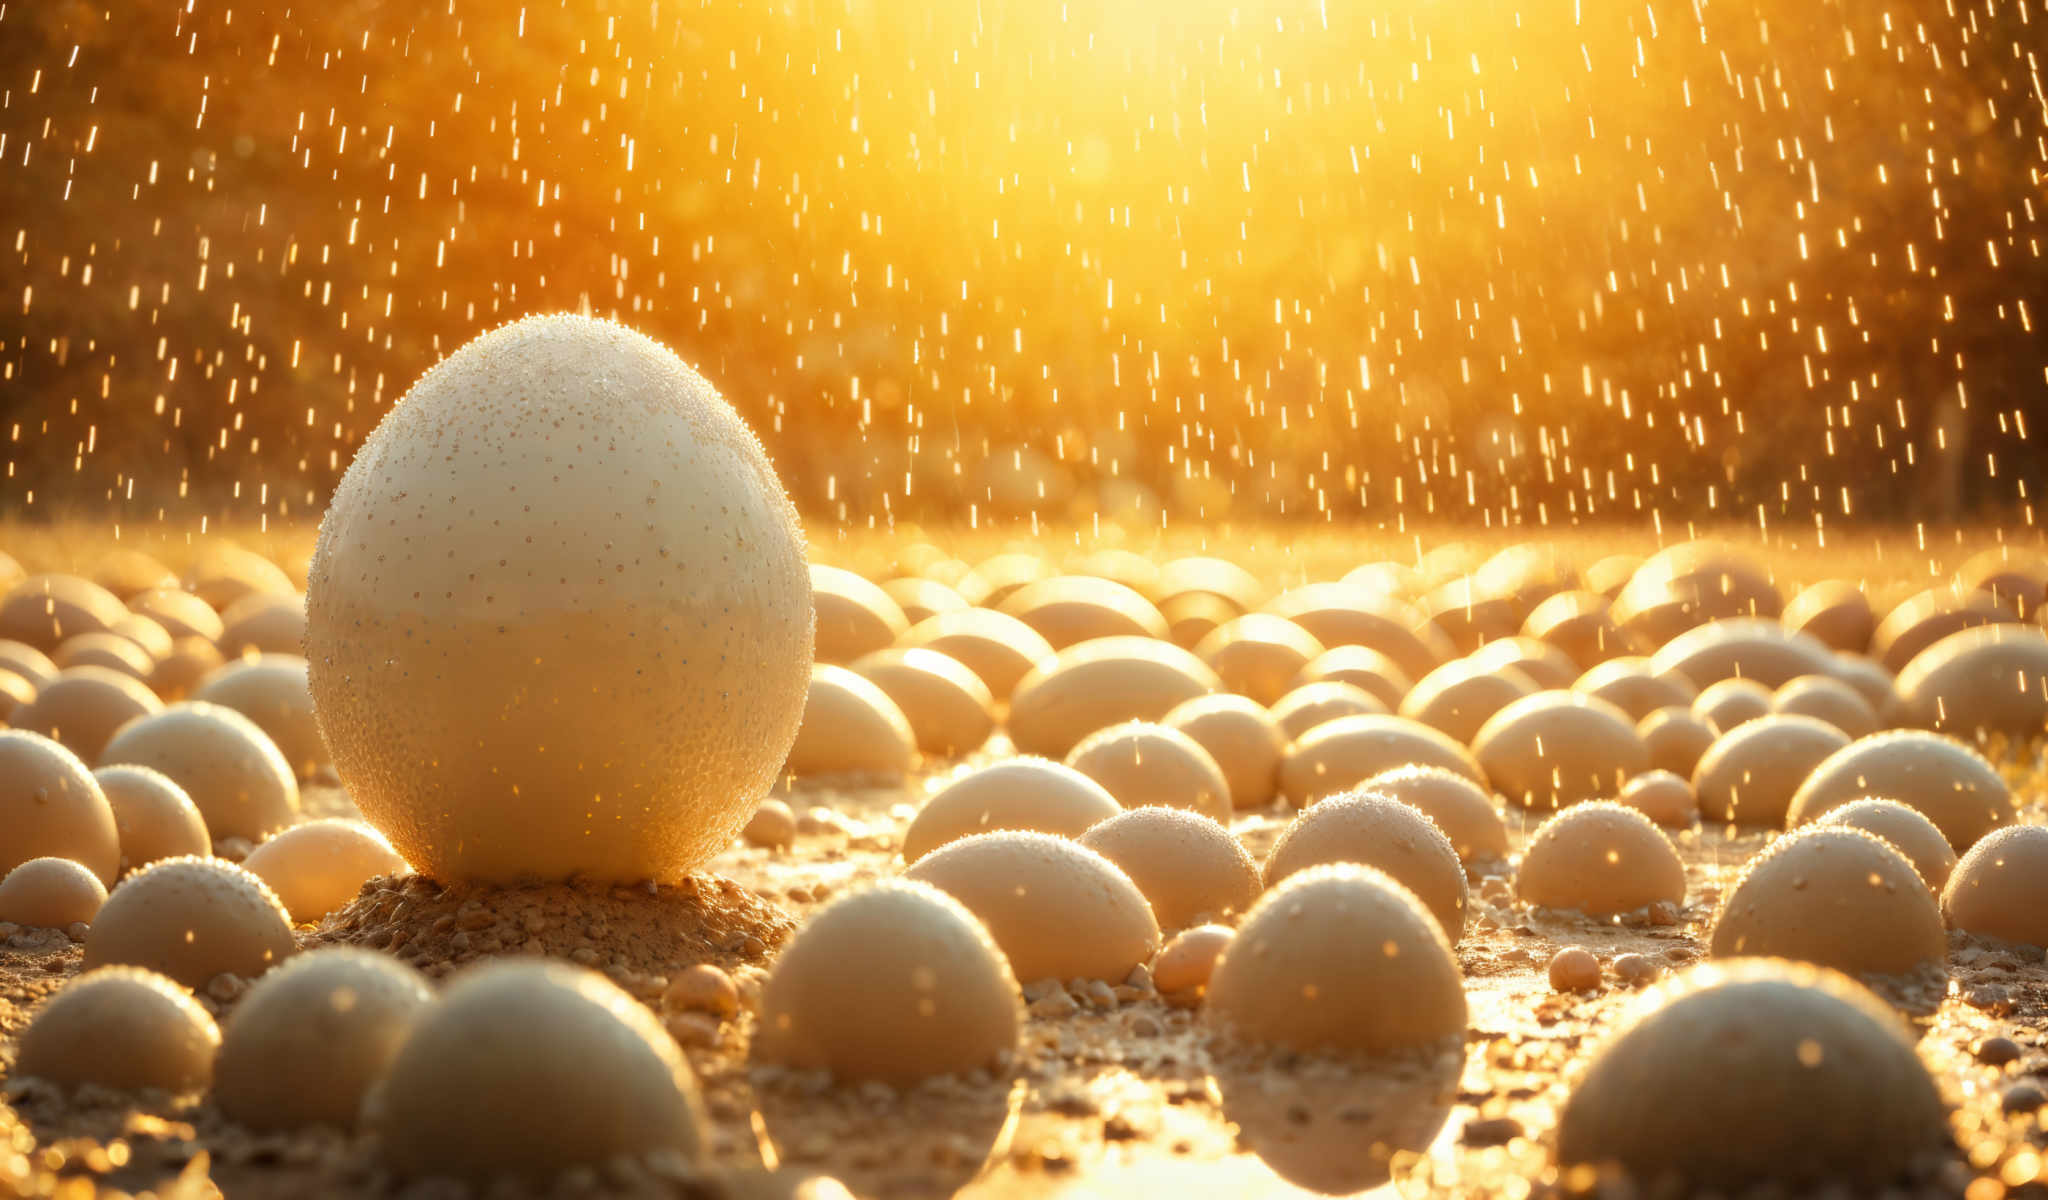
{"type": "Point", "coordinates": [559, 620]}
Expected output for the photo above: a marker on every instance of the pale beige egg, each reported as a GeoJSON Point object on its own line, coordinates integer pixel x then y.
{"type": "Point", "coordinates": [1547, 666]}
{"type": "Point", "coordinates": [2000, 888]}
{"type": "Point", "coordinates": [1188, 960]}
{"type": "Point", "coordinates": [1340, 957]}
{"type": "Point", "coordinates": [51, 893]}
{"type": "Point", "coordinates": [109, 651]}
{"type": "Point", "coordinates": [1691, 584]}
{"type": "Point", "coordinates": [1469, 617]}
{"type": "Point", "coordinates": [223, 574]}
{"type": "Point", "coordinates": [52, 807]}
{"type": "Point", "coordinates": [27, 661]}
{"type": "Point", "coordinates": [231, 769]}
{"type": "Point", "coordinates": [309, 1040]}
{"type": "Point", "coordinates": [121, 1028]}
{"type": "Point", "coordinates": [1461, 696]}
{"type": "Point", "coordinates": [181, 613]}
{"type": "Point", "coordinates": [1985, 680]}
{"type": "Point", "coordinates": [1381, 832]}
{"type": "Point", "coordinates": [1313, 704]}
{"type": "Point", "coordinates": [949, 708]}
{"type": "Point", "coordinates": [1676, 740]}
{"type": "Point", "coordinates": [1241, 736]}
{"type": "Point", "coordinates": [1601, 859]}
{"type": "Point", "coordinates": [1802, 1076]}
{"type": "Point", "coordinates": [1188, 866]}
{"type": "Point", "coordinates": [1836, 612]}
{"type": "Point", "coordinates": [1629, 684]}
{"type": "Point", "coordinates": [1339, 755]}
{"type": "Point", "coordinates": [1664, 797]}
{"type": "Point", "coordinates": [1258, 655]}
{"type": "Point", "coordinates": [851, 728]}
{"type": "Point", "coordinates": [1016, 793]}
{"type": "Point", "coordinates": [127, 573]}
{"type": "Point", "coordinates": [1927, 617]}
{"type": "Point", "coordinates": [1577, 623]}
{"type": "Point", "coordinates": [1909, 832]}
{"type": "Point", "coordinates": [1142, 763]}
{"type": "Point", "coordinates": [318, 866]}
{"type": "Point", "coordinates": [1947, 782]}
{"type": "Point", "coordinates": [192, 919]}
{"type": "Point", "coordinates": [1462, 809]}
{"type": "Point", "coordinates": [273, 692]}
{"type": "Point", "coordinates": [1732, 702]}
{"type": "Point", "coordinates": [1748, 776]}
{"type": "Point", "coordinates": [921, 599]}
{"type": "Point", "coordinates": [596, 1075]}
{"type": "Point", "coordinates": [1338, 614]}
{"type": "Point", "coordinates": [1101, 683]}
{"type": "Point", "coordinates": [855, 617]}
{"type": "Point", "coordinates": [1753, 648]}
{"type": "Point", "coordinates": [43, 610]}
{"type": "Point", "coordinates": [596, 668]}
{"type": "Point", "coordinates": [264, 623]}
{"type": "Point", "coordinates": [1361, 666]}
{"type": "Point", "coordinates": [153, 816]}
{"type": "Point", "coordinates": [895, 982]}
{"type": "Point", "coordinates": [83, 706]}
{"type": "Point", "coordinates": [1829, 699]}
{"type": "Point", "coordinates": [1069, 609]}
{"type": "Point", "coordinates": [1833, 895]}
{"type": "Point", "coordinates": [191, 659]}
{"type": "Point", "coordinates": [1057, 909]}
{"type": "Point", "coordinates": [2014, 576]}
{"type": "Point", "coordinates": [1557, 748]}
{"type": "Point", "coordinates": [997, 647]}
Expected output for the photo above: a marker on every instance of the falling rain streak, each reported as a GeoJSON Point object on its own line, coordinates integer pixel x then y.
{"type": "Point", "coordinates": [1506, 263]}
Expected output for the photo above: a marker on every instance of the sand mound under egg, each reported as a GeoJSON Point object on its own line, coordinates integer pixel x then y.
{"type": "Point", "coordinates": [638, 930]}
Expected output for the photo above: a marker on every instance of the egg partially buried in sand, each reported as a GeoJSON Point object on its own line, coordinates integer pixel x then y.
{"type": "Point", "coordinates": [1339, 957]}
{"type": "Point", "coordinates": [528, 1069]}
{"type": "Point", "coordinates": [1058, 910]}
{"type": "Point", "coordinates": [559, 619]}
{"type": "Point", "coordinates": [937, 998]}
{"type": "Point", "coordinates": [120, 1027]}
{"type": "Point", "coordinates": [1837, 896]}
{"type": "Point", "coordinates": [1790, 1074]}
{"type": "Point", "coordinates": [318, 866]}
{"type": "Point", "coordinates": [311, 1037]}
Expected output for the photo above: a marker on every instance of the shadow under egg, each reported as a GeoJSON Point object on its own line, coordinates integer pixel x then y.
{"type": "Point", "coordinates": [1339, 1124]}
{"type": "Point", "coordinates": [930, 1139]}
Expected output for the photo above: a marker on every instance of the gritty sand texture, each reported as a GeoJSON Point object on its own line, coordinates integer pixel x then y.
{"type": "Point", "coordinates": [1117, 1091]}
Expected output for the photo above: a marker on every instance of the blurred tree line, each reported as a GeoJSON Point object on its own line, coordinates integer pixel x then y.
{"type": "Point", "coordinates": [1518, 262]}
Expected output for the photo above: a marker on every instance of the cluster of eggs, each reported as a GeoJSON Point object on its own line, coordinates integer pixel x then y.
{"type": "Point", "coordinates": [1413, 715]}
{"type": "Point", "coordinates": [151, 716]}
{"type": "Point", "coordinates": [560, 623]}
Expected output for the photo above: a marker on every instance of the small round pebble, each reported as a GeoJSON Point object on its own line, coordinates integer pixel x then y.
{"type": "Point", "coordinates": [1574, 969]}
{"type": "Point", "coordinates": [1996, 1051]}
{"type": "Point", "coordinates": [703, 988]}
{"type": "Point", "coordinates": [772, 826]}
{"type": "Point", "coordinates": [2024, 1097]}
{"type": "Point", "coordinates": [1634, 969]}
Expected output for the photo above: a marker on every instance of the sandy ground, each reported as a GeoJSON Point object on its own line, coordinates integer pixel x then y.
{"type": "Point", "coordinates": [1117, 1092]}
